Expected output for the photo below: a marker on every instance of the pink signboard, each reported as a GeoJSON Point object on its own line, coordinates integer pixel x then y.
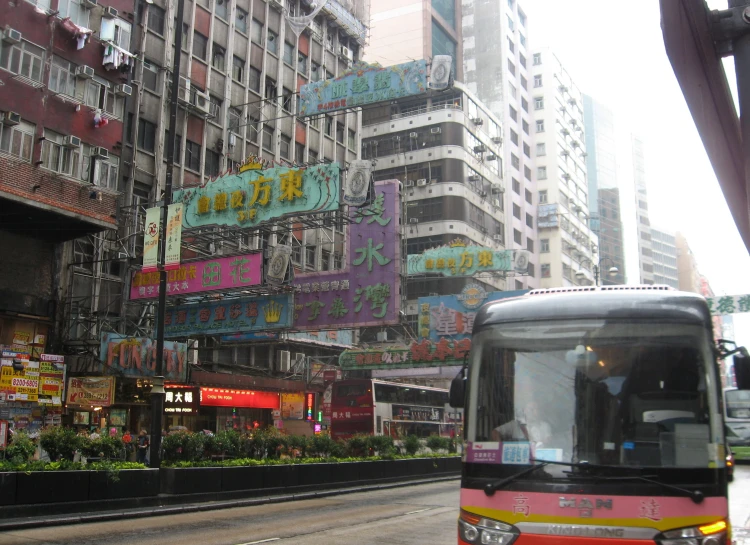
{"type": "Point", "coordinates": [222, 273]}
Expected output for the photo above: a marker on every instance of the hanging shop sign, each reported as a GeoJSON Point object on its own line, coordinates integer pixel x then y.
{"type": "Point", "coordinates": [51, 379]}
{"type": "Point", "coordinates": [278, 264]}
{"type": "Point", "coordinates": [293, 406]}
{"type": "Point", "coordinates": [229, 316]}
{"type": "Point", "coordinates": [309, 406]}
{"type": "Point", "coordinates": [90, 391]}
{"type": "Point", "coordinates": [173, 236]}
{"type": "Point", "coordinates": [221, 273]}
{"type": "Point", "coordinates": [181, 399]}
{"type": "Point", "coordinates": [19, 377]}
{"type": "Point", "coordinates": [255, 194]}
{"type": "Point", "coordinates": [728, 304]}
{"type": "Point", "coordinates": [547, 217]}
{"type": "Point", "coordinates": [424, 353]}
{"type": "Point", "coordinates": [364, 84]}
{"type": "Point", "coordinates": [366, 293]}
{"type": "Point", "coordinates": [230, 397]}
{"type": "Point", "coordinates": [458, 259]}
{"type": "Point", "coordinates": [151, 239]}
{"type": "Point", "coordinates": [453, 315]}
{"type": "Point", "coordinates": [357, 182]}
{"type": "Point", "coordinates": [136, 357]}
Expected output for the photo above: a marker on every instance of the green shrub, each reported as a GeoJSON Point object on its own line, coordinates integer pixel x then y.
{"type": "Point", "coordinates": [381, 445]}
{"type": "Point", "coordinates": [298, 445]}
{"type": "Point", "coordinates": [21, 448]}
{"type": "Point", "coordinates": [184, 446]}
{"type": "Point", "coordinates": [357, 445]}
{"type": "Point", "coordinates": [412, 444]}
{"type": "Point", "coordinates": [60, 443]}
{"type": "Point", "coordinates": [436, 443]}
{"type": "Point", "coordinates": [104, 447]}
{"type": "Point", "coordinates": [325, 446]}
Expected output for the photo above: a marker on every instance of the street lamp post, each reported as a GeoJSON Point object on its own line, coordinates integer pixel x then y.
{"type": "Point", "coordinates": [612, 271]}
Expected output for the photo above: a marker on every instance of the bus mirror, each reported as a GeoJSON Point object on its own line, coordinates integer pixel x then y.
{"type": "Point", "coordinates": [741, 370]}
{"type": "Point", "coordinates": [458, 391]}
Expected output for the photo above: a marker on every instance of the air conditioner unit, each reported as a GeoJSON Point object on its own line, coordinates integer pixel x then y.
{"type": "Point", "coordinates": [71, 142]}
{"type": "Point", "coordinates": [11, 118]}
{"type": "Point", "coordinates": [284, 361]}
{"type": "Point", "coordinates": [11, 36]}
{"type": "Point", "coordinates": [101, 153]}
{"type": "Point", "coordinates": [497, 238]}
{"type": "Point", "coordinates": [201, 102]}
{"type": "Point", "coordinates": [110, 12]}
{"type": "Point", "coordinates": [496, 188]}
{"type": "Point", "coordinates": [413, 220]}
{"type": "Point", "coordinates": [474, 178]}
{"type": "Point", "coordinates": [496, 203]}
{"type": "Point", "coordinates": [123, 90]}
{"type": "Point", "coordinates": [381, 336]}
{"type": "Point", "coordinates": [491, 157]}
{"type": "Point", "coordinates": [413, 135]}
{"type": "Point", "coordinates": [409, 183]}
{"type": "Point", "coordinates": [481, 148]}
{"type": "Point", "coordinates": [436, 130]}
{"type": "Point", "coordinates": [84, 72]}
{"type": "Point", "coordinates": [89, 4]}
{"type": "Point", "coordinates": [497, 139]}
{"type": "Point", "coordinates": [278, 4]}
{"type": "Point", "coordinates": [483, 194]}
{"type": "Point", "coordinates": [346, 52]}
{"type": "Point", "coordinates": [183, 91]}
{"type": "Point", "coordinates": [478, 121]}
{"type": "Point", "coordinates": [421, 182]}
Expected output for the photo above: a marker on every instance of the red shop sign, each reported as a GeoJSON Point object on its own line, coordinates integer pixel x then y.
{"type": "Point", "coordinates": [230, 397]}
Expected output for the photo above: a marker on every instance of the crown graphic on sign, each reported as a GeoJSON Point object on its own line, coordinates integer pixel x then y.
{"type": "Point", "coordinates": [272, 312]}
{"type": "Point", "coordinates": [252, 163]}
{"type": "Point", "coordinates": [457, 243]}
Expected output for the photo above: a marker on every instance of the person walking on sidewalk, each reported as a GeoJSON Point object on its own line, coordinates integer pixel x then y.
{"type": "Point", "coordinates": [143, 445]}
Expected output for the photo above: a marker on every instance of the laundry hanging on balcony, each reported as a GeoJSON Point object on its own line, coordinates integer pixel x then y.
{"type": "Point", "coordinates": [80, 34]}
{"type": "Point", "coordinates": [116, 58]}
{"type": "Point", "coordinates": [99, 120]}
{"type": "Point", "coordinates": [298, 24]}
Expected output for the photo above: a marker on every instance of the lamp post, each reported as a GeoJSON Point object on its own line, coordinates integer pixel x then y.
{"type": "Point", "coordinates": [612, 271]}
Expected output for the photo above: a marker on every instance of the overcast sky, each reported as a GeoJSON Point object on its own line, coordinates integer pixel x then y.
{"type": "Point", "coordinates": [615, 52]}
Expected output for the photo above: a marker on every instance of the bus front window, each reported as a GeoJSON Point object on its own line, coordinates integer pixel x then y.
{"type": "Point", "coordinates": [613, 393]}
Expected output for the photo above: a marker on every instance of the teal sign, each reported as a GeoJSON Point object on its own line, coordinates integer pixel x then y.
{"type": "Point", "coordinates": [457, 259]}
{"type": "Point", "coordinates": [255, 195]}
{"type": "Point", "coordinates": [363, 84]}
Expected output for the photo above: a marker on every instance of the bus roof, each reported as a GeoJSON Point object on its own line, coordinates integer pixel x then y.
{"type": "Point", "coordinates": [390, 383]}
{"type": "Point", "coordinates": [602, 302]}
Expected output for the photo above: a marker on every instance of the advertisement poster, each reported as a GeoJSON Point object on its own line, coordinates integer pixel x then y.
{"type": "Point", "coordinates": [292, 406]}
{"type": "Point", "coordinates": [51, 379]}
{"type": "Point", "coordinates": [151, 240]}
{"type": "Point", "coordinates": [136, 357]}
{"type": "Point", "coordinates": [90, 391]}
{"type": "Point", "coordinates": [118, 418]}
{"type": "Point", "coordinates": [19, 377]}
{"type": "Point", "coordinates": [174, 237]}
{"type": "Point", "coordinates": [81, 418]}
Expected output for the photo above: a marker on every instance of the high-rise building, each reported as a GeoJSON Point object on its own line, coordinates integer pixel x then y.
{"type": "Point", "coordinates": [689, 276]}
{"type": "Point", "coordinates": [665, 258]}
{"type": "Point", "coordinates": [645, 257]}
{"type": "Point", "coordinates": [568, 253]}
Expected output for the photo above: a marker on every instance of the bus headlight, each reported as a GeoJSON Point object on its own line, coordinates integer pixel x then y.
{"type": "Point", "coordinates": [707, 534]}
{"type": "Point", "coordinates": [484, 531]}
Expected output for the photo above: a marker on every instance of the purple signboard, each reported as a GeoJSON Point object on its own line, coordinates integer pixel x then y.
{"type": "Point", "coordinates": [222, 273]}
{"type": "Point", "coordinates": [366, 293]}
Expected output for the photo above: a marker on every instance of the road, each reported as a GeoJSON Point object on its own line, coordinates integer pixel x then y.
{"type": "Point", "coordinates": [400, 516]}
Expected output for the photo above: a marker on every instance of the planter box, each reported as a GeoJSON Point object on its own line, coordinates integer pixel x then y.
{"type": "Point", "coordinates": [52, 486]}
{"type": "Point", "coordinates": [310, 474]}
{"type": "Point", "coordinates": [345, 472]}
{"type": "Point", "coordinates": [130, 483]}
{"type": "Point", "coordinates": [281, 476]}
{"type": "Point", "coordinates": [453, 464]}
{"type": "Point", "coordinates": [8, 488]}
{"type": "Point", "coordinates": [194, 480]}
{"type": "Point", "coordinates": [242, 478]}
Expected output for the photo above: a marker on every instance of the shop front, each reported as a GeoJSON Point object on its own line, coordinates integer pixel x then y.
{"type": "Point", "coordinates": [181, 408]}
{"type": "Point", "coordinates": [236, 409]}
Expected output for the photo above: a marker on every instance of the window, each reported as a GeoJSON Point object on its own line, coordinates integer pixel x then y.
{"type": "Point", "coordinates": [217, 57]}
{"type": "Point", "coordinates": [212, 163]}
{"type": "Point", "coordinates": [177, 147]}
{"type": "Point", "coordinates": [443, 44]}
{"type": "Point", "coordinates": [446, 9]}
{"type": "Point", "coordinates": [24, 59]}
{"type": "Point", "coordinates": [546, 273]}
{"type": "Point", "coordinates": [150, 75]}
{"type": "Point", "coordinates": [272, 42]}
{"type": "Point", "coordinates": [524, 104]}
{"type": "Point", "coordinates": [200, 45]}
{"type": "Point", "coordinates": [192, 156]}
{"type": "Point", "coordinates": [215, 107]}
{"type": "Point", "coordinates": [521, 17]}
{"type": "Point", "coordinates": [517, 238]}
{"type": "Point", "coordinates": [541, 149]}
{"type": "Point", "coordinates": [270, 91]}
{"type": "Point", "coordinates": [240, 20]}
{"type": "Point", "coordinates": [235, 119]}
{"type": "Point", "coordinates": [98, 93]}
{"type": "Point", "coordinates": [146, 135]}
{"type": "Point", "coordinates": [75, 10]}
{"type": "Point", "coordinates": [315, 71]}
{"type": "Point", "coordinates": [527, 173]}
{"type": "Point", "coordinates": [522, 60]}
{"type": "Point", "coordinates": [511, 24]}
{"type": "Point", "coordinates": [538, 80]}
{"type": "Point", "coordinates": [104, 170]}
{"type": "Point", "coordinates": [268, 138]}
{"type": "Point", "coordinates": [238, 69]}
{"type": "Point", "coordinates": [222, 9]}
{"type": "Point", "coordinates": [539, 103]}
{"type": "Point", "coordinates": [123, 31]}
{"type": "Point", "coordinates": [512, 89]}
{"type": "Point", "coordinates": [340, 133]}
{"type": "Point", "coordinates": [329, 126]}
{"type": "Point", "coordinates": [289, 53]}
{"type": "Point", "coordinates": [529, 221]}
{"type": "Point", "coordinates": [543, 197]}
{"type": "Point", "coordinates": [524, 83]}
{"type": "Point", "coordinates": [527, 150]}
{"type": "Point", "coordinates": [540, 125]}
{"type": "Point", "coordinates": [62, 77]}
{"type": "Point", "coordinates": [351, 140]}
{"type": "Point", "coordinates": [253, 128]}
{"type": "Point", "coordinates": [17, 140]}
{"type": "Point", "coordinates": [41, 4]}
{"type": "Point", "coordinates": [525, 126]}
{"type": "Point", "coordinates": [541, 173]}
{"type": "Point", "coordinates": [59, 158]}
{"type": "Point", "coordinates": [529, 242]}
{"type": "Point", "coordinates": [544, 245]}
{"type": "Point", "coordinates": [299, 152]}
{"type": "Point", "coordinates": [511, 45]}
{"type": "Point", "coordinates": [185, 34]}
{"type": "Point", "coordinates": [287, 99]}
{"type": "Point", "coordinates": [516, 186]}
{"type": "Point", "coordinates": [537, 59]}
{"type": "Point", "coordinates": [511, 67]}
{"type": "Point", "coordinates": [256, 31]}
{"type": "Point", "coordinates": [516, 211]}
{"type": "Point", "coordinates": [514, 137]}
{"type": "Point", "coordinates": [156, 19]}
{"type": "Point", "coordinates": [253, 79]}
{"type": "Point", "coordinates": [522, 39]}
{"type": "Point", "coordinates": [513, 113]}
{"type": "Point", "coordinates": [302, 63]}
{"type": "Point", "coordinates": [514, 161]}
{"type": "Point", "coordinates": [284, 146]}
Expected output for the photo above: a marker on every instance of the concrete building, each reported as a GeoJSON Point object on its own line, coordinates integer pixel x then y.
{"type": "Point", "coordinates": [568, 253]}
{"type": "Point", "coordinates": [687, 266]}
{"type": "Point", "coordinates": [645, 253]}
{"type": "Point", "coordinates": [665, 255]}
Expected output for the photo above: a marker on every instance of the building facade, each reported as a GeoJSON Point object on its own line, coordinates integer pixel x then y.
{"type": "Point", "coordinates": [689, 277]}
{"type": "Point", "coordinates": [645, 251]}
{"type": "Point", "coordinates": [665, 256]}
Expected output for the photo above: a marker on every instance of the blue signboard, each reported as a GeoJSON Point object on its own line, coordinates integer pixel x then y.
{"type": "Point", "coordinates": [363, 84]}
{"type": "Point", "coordinates": [333, 337]}
{"type": "Point", "coordinates": [231, 316]}
{"type": "Point", "coordinates": [452, 316]}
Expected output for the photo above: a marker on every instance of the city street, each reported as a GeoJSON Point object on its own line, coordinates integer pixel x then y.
{"type": "Point", "coordinates": [401, 516]}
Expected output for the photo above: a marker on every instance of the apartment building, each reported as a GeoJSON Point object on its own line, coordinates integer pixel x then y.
{"type": "Point", "coordinates": [645, 250]}
{"type": "Point", "coordinates": [665, 255]}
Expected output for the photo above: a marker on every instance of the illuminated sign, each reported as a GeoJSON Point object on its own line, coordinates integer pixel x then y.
{"type": "Point", "coordinates": [309, 406]}
{"type": "Point", "coordinates": [458, 259]}
{"type": "Point", "coordinates": [181, 399]}
{"type": "Point", "coordinates": [254, 195]}
{"type": "Point", "coordinates": [364, 84]}
{"type": "Point", "coordinates": [424, 353]}
{"type": "Point", "coordinates": [136, 357]}
{"type": "Point", "coordinates": [231, 397]}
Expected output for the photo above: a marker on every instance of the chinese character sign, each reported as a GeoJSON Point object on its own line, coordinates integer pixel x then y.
{"type": "Point", "coordinates": [728, 304]}
{"type": "Point", "coordinates": [366, 293]}
{"type": "Point", "coordinates": [136, 357]}
{"type": "Point", "coordinates": [364, 84]}
{"type": "Point", "coordinates": [459, 260]}
{"type": "Point", "coordinates": [90, 391]}
{"type": "Point", "coordinates": [151, 239]}
{"type": "Point", "coordinates": [182, 399]}
{"type": "Point", "coordinates": [221, 273]}
{"type": "Point", "coordinates": [255, 195]}
{"type": "Point", "coordinates": [173, 236]}
{"type": "Point", "coordinates": [229, 316]}
{"type": "Point", "coordinates": [19, 382]}
{"type": "Point", "coordinates": [420, 354]}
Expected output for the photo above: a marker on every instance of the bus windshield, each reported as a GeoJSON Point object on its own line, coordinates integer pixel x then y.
{"type": "Point", "coordinates": [612, 392]}
{"type": "Point", "coordinates": [737, 404]}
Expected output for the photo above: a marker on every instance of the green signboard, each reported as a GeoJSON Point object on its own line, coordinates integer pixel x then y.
{"type": "Point", "coordinates": [728, 304]}
{"type": "Point", "coordinates": [424, 353]}
{"type": "Point", "coordinates": [458, 259]}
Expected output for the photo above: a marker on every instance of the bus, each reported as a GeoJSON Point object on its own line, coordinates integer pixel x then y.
{"type": "Point", "coordinates": [378, 407]}
{"type": "Point", "coordinates": [737, 418]}
{"type": "Point", "coordinates": [593, 415]}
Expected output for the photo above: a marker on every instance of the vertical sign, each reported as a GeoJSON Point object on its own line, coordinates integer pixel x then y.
{"type": "Point", "coordinates": [151, 240]}
{"type": "Point", "coordinates": [174, 236]}
{"type": "Point", "coordinates": [309, 406]}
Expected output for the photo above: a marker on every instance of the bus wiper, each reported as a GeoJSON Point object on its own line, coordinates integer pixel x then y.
{"type": "Point", "coordinates": [490, 488]}
{"type": "Point", "coordinates": [696, 496]}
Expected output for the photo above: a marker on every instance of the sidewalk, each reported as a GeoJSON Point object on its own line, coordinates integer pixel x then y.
{"type": "Point", "coordinates": [739, 505]}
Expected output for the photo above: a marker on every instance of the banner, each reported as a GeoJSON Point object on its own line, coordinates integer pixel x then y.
{"type": "Point", "coordinates": [278, 264]}
{"type": "Point", "coordinates": [136, 357]}
{"type": "Point", "coordinates": [420, 354]}
{"type": "Point", "coordinates": [256, 194]}
{"type": "Point", "coordinates": [151, 239]}
{"type": "Point", "coordinates": [51, 379]}
{"type": "Point", "coordinates": [90, 391]}
{"type": "Point", "coordinates": [366, 293]}
{"type": "Point", "coordinates": [728, 304]}
{"type": "Point", "coordinates": [174, 236]}
{"type": "Point", "coordinates": [221, 273]}
{"type": "Point", "coordinates": [458, 259]}
{"type": "Point", "coordinates": [230, 316]}
{"type": "Point", "coordinates": [357, 182]}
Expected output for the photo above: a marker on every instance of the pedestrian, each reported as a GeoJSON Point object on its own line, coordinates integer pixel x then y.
{"type": "Point", "coordinates": [94, 434]}
{"type": "Point", "coordinates": [143, 445]}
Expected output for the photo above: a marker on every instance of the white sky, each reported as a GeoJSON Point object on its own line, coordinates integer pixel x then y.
{"type": "Point", "coordinates": [614, 51]}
